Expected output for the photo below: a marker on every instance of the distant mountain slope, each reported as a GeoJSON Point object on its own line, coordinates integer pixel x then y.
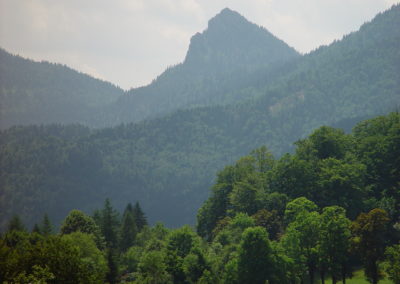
{"type": "Point", "coordinates": [168, 163]}
{"type": "Point", "coordinates": [225, 57]}
{"type": "Point", "coordinates": [353, 77]}
{"type": "Point", "coordinates": [41, 92]}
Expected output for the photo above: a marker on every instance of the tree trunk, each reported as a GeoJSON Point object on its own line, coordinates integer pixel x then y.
{"type": "Point", "coordinates": [344, 273]}
{"type": "Point", "coordinates": [374, 273]}
{"type": "Point", "coordinates": [322, 274]}
{"type": "Point", "coordinates": [311, 274]}
{"type": "Point", "coordinates": [334, 280]}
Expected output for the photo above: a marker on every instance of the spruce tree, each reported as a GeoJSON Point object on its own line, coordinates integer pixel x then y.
{"type": "Point", "coordinates": [16, 224]}
{"type": "Point", "coordinates": [128, 229]}
{"type": "Point", "coordinates": [36, 229]}
{"type": "Point", "coordinates": [109, 224]}
{"type": "Point", "coordinates": [139, 216]}
{"type": "Point", "coordinates": [112, 273]}
{"type": "Point", "coordinates": [46, 228]}
{"type": "Point", "coordinates": [128, 209]}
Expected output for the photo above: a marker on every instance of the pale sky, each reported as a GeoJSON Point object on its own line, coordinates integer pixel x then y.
{"type": "Point", "coordinates": [130, 42]}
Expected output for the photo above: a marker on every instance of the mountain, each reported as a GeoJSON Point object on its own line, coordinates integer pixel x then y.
{"type": "Point", "coordinates": [168, 163]}
{"type": "Point", "coordinates": [42, 92]}
{"type": "Point", "coordinates": [227, 56]}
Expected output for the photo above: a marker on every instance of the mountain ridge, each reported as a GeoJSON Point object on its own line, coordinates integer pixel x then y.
{"type": "Point", "coordinates": [43, 92]}
{"type": "Point", "coordinates": [221, 58]}
{"type": "Point", "coordinates": [168, 163]}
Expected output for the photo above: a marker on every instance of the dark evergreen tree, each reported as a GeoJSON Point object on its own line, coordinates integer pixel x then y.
{"type": "Point", "coordinates": [128, 229]}
{"type": "Point", "coordinates": [47, 227]}
{"type": "Point", "coordinates": [112, 274]}
{"type": "Point", "coordinates": [109, 224]}
{"type": "Point", "coordinates": [16, 224]}
{"type": "Point", "coordinates": [128, 209]}
{"type": "Point", "coordinates": [36, 229]}
{"type": "Point", "coordinates": [139, 216]}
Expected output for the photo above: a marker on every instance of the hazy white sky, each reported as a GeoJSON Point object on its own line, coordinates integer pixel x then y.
{"type": "Point", "coordinates": [130, 42]}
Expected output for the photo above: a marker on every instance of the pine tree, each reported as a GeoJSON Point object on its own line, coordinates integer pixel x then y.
{"type": "Point", "coordinates": [16, 224]}
{"type": "Point", "coordinates": [128, 209]}
{"type": "Point", "coordinates": [128, 229]}
{"type": "Point", "coordinates": [139, 216]}
{"type": "Point", "coordinates": [36, 229]}
{"type": "Point", "coordinates": [109, 224]}
{"type": "Point", "coordinates": [46, 228]}
{"type": "Point", "coordinates": [112, 273]}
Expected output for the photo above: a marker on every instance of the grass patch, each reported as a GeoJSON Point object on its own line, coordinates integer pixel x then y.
{"type": "Point", "coordinates": [359, 278]}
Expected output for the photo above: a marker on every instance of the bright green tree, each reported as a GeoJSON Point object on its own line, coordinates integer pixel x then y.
{"type": "Point", "coordinates": [341, 183]}
{"type": "Point", "coordinates": [325, 142]}
{"type": "Point", "coordinates": [392, 263]}
{"type": "Point", "coordinates": [245, 197]}
{"type": "Point", "coordinates": [334, 241]}
{"type": "Point", "coordinates": [77, 221]}
{"type": "Point", "coordinates": [152, 269]}
{"type": "Point", "coordinates": [194, 265]}
{"type": "Point", "coordinates": [302, 235]}
{"type": "Point", "coordinates": [254, 259]}
{"type": "Point", "coordinates": [298, 206]}
{"type": "Point", "coordinates": [92, 258]}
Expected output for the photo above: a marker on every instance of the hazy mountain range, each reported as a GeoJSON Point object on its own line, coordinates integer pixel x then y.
{"type": "Point", "coordinates": [238, 88]}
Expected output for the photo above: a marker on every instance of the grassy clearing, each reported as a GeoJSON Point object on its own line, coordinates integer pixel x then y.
{"type": "Point", "coordinates": [359, 278]}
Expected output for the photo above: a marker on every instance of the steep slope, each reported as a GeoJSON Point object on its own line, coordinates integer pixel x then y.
{"type": "Point", "coordinates": [353, 77]}
{"type": "Point", "coordinates": [225, 57]}
{"type": "Point", "coordinates": [168, 163]}
{"type": "Point", "coordinates": [41, 92]}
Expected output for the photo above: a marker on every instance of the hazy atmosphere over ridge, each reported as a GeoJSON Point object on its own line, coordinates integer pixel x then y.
{"type": "Point", "coordinates": [131, 42]}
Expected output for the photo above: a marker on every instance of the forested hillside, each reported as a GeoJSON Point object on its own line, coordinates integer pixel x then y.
{"type": "Point", "coordinates": [169, 163]}
{"type": "Point", "coordinates": [328, 212]}
{"type": "Point", "coordinates": [42, 92]}
{"type": "Point", "coordinates": [230, 54]}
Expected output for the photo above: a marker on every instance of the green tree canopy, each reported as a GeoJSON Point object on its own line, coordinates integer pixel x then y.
{"type": "Point", "coordinates": [254, 260]}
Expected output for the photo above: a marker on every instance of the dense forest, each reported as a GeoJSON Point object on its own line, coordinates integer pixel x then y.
{"type": "Point", "coordinates": [168, 163]}
{"type": "Point", "coordinates": [322, 213]}
{"type": "Point", "coordinates": [42, 92]}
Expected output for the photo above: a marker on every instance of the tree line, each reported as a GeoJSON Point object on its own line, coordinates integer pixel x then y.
{"type": "Point", "coordinates": [323, 212]}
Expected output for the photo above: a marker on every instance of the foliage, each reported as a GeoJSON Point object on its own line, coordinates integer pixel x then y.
{"type": "Point", "coordinates": [369, 230]}
{"type": "Point", "coordinates": [334, 241]}
{"type": "Point", "coordinates": [167, 163]}
{"type": "Point", "coordinates": [128, 230]}
{"type": "Point", "coordinates": [392, 265]}
{"type": "Point", "coordinates": [254, 260]}
{"type": "Point", "coordinates": [92, 258]}
{"type": "Point", "coordinates": [77, 221]}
